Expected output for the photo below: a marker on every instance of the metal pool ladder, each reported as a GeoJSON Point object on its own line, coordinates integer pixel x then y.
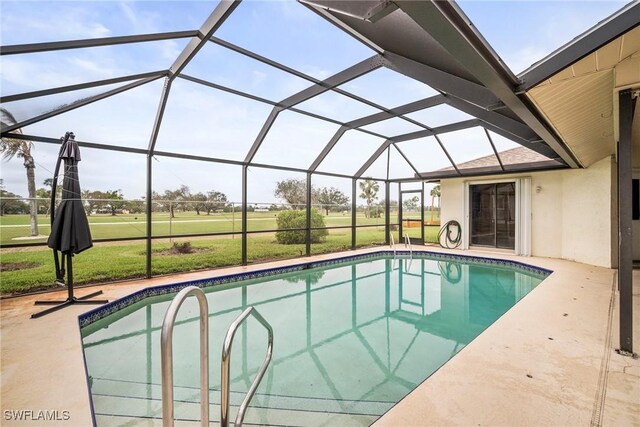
{"type": "Point", "coordinates": [393, 244]}
{"type": "Point", "coordinates": [166, 356]}
{"type": "Point", "coordinates": [226, 359]}
{"type": "Point", "coordinates": [407, 242]}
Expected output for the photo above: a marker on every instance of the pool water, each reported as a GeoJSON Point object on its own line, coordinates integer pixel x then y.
{"type": "Point", "coordinates": [350, 340]}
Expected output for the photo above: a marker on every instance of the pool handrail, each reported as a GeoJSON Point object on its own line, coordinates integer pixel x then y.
{"type": "Point", "coordinates": [407, 242]}
{"type": "Point", "coordinates": [393, 244]}
{"type": "Point", "coordinates": [166, 355]}
{"type": "Point", "coordinates": [226, 360]}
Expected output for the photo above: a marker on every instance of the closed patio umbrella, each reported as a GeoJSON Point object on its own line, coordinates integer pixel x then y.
{"type": "Point", "coordinates": [70, 233]}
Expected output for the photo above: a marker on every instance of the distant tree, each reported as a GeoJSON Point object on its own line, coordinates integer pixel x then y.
{"type": "Point", "coordinates": [293, 191]}
{"type": "Point", "coordinates": [91, 201]}
{"type": "Point", "coordinates": [369, 193]}
{"type": "Point", "coordinates": [136, 206]}
{"type": "Point", "coordinates": [11, 204]}
{"type": "Point", "coordinates": [175, 198]}
{"type": "Point", "coordinates": [115, 201]}
{"type": "Point", "coordinates": [435, 192]}
{"type": "Point", "coordinates": [156, 205]}
{"type": "Point", "coordinates": [86, 203]}
{"type": "Point", "coordinates": [170, 201]}
{"type": "Point", "coordinates": [215, 200]}
{"type": "Point", "coordinates": [111, 201]}
{"type": "Point", "coordinates": [411, 204]}
{"type": "Point", "coordinates": [10, 147]}
{"type": "Point", "coordinates": [44, 196]}
{"type": "Point", "coordinates": [331, 197]}
{"type": "Point", "coordinates": [199, 202]}
{"type": "Point", "coordinates": [44, 200]}
{"type": "Point", "coordinates": [230, 207]}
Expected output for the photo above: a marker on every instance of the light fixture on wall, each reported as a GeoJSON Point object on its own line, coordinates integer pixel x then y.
{"type": "Point", "coordinates": [538, 189]}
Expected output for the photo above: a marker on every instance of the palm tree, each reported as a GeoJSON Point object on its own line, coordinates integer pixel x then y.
{"type": "Point", "coordinates": [10, 147]}
{"type": "Point", "coordinates": [435, 192]}
{"type": "Point", "coordinates": [369, 193]}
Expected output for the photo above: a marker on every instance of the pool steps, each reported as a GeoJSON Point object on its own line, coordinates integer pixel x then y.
{"type": "Point", "coordinates": [137, 402]}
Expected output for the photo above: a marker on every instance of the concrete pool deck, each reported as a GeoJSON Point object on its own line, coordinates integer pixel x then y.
{"type": "Point", "coordinates": [550, 360]}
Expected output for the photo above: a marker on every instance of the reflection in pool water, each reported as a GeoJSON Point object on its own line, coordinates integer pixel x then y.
{"type": "Point", "coordinates": [350, 340]}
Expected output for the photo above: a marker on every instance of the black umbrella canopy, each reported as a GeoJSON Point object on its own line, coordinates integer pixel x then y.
{"type": "Point", "coordinates": [70, 232]}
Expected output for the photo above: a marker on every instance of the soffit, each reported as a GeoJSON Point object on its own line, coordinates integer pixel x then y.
{"type": "Point", "coordinates": [580, 101]}
{"type": "Point", "coordinates": [607, 57]}
{"type": "Point", "coordinates": [580, 109]}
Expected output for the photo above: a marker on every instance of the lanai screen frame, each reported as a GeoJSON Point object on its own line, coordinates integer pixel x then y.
{"type": "Point", "coordinates": [205, 34]}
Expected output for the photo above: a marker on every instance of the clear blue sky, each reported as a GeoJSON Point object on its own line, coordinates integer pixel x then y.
{"type": "Point", "coordinates": [208, 122]}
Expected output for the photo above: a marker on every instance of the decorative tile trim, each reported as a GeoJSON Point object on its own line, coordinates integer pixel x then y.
{"type": "Point", "coordinates": [112, 307]}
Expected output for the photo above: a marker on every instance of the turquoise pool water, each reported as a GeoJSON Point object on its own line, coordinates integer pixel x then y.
{"type": "Point", "coordinates": [350, 340]}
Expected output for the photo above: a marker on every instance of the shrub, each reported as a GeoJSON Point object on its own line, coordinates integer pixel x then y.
{"type": "Point", "coordinates": [298, 219]}
{"type": "Point", "coordinates": [182, 248]}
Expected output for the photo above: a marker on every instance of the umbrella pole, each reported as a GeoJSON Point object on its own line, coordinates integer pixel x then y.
{"type": "Point", "coordinates": [70, 277]}
{"type": "Point", "coordinates": [60, 271]}
{"type": "Point", "coordinates": [71, 299]}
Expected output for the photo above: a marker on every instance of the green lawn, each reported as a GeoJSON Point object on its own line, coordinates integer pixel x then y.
{"type": "Point", "coordinates": [104, 226]}
{"type": "Point", "coordinates": [31, 268]}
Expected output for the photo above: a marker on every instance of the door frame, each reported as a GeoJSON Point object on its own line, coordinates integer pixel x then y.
{"type": "Point", "coordinates": [523, 215]}
{"type": "Point", "coordinates": [400, 213]}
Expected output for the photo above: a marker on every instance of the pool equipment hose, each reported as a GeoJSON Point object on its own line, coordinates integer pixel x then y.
{"type": "Point", "coordinates": [450, 241]}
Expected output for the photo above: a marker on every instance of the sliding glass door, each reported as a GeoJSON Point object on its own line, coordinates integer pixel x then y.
{"type": "Point", "coordinates": [493, 213]}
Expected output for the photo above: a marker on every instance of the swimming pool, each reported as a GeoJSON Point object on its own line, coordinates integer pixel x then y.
{"type": "Point", "coordinates": [352, 336]}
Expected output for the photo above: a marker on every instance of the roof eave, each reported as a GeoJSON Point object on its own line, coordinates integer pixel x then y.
{"type": "Point", "coordinates": [604, 32]}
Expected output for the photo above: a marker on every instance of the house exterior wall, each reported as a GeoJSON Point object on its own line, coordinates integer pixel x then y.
{"type": "Point", "coordinates": [571, 215]}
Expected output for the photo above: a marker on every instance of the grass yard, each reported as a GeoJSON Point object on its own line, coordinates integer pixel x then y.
{"type": "Point", "coordinates": [31, 268]}
{"type": "Point", "coordinates": [14, 229]}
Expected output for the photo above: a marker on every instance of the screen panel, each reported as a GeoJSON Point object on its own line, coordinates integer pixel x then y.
{"type": "Point", "coordinates": [203, 121]}
{"type": "Point", "coordinates": [439, 115]}
{"type": "Point", "coordinates": [47, 21]}
{"type": "Point", "coordinates": [226, 67]}
{"type": "Point", "coordinates": [289, 33]}
{"type": "Point", "coordinates": [388, 88]}
{"type": "Point", "coordinates": [350, 152]}
{"type": "Point", "coordinates": [46, 70]}
{"type": "Point", "coordinates": [338, 107]}
{"type": "Point", "coordinates": [125, 119]}
{"type": "Point", "coordinates": [295, 140]}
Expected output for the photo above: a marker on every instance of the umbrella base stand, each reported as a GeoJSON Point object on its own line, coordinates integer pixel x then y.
{"type": "Point", "coordinates": [69, 301]}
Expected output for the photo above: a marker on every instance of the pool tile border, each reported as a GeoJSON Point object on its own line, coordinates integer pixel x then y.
{"type": "Point", "coordinates": [103, 311]}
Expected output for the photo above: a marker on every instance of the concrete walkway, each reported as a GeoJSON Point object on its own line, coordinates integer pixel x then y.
{"type": "Point", "coordinates": [549, 361]}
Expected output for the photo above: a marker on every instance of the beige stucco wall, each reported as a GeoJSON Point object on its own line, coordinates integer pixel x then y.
{"type": "Point", "coordinates": [571, 214]}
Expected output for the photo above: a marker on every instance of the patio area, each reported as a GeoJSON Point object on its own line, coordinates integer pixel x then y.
{"type": "Point", "coordinates": [550, 360]}
{"type": "Point", "coordinates": [236, 136]}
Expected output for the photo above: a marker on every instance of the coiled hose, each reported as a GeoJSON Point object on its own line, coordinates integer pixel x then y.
{"type": "Point", "coordinates": [451, 241]}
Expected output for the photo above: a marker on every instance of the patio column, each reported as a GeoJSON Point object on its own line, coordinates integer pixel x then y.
{"type": "Point", "coordinates": [149, 210]}
{"type": "Point", "coordinates": [353, 213]}
{"type": "Point", "coordinates": [308, 224]}
{"type": "Point", "coordinates": [244, 215]}
{"type": "Point", "coordinates": [399, 212]}
{"type": "Point", "coordinates": [424, 240]}
{"type": "Point", "coordinates": [387, 211]}
{"type": "Point", "coordinates": [164, 96]}
{"type": "Point", "coordinates": [625, 257]}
